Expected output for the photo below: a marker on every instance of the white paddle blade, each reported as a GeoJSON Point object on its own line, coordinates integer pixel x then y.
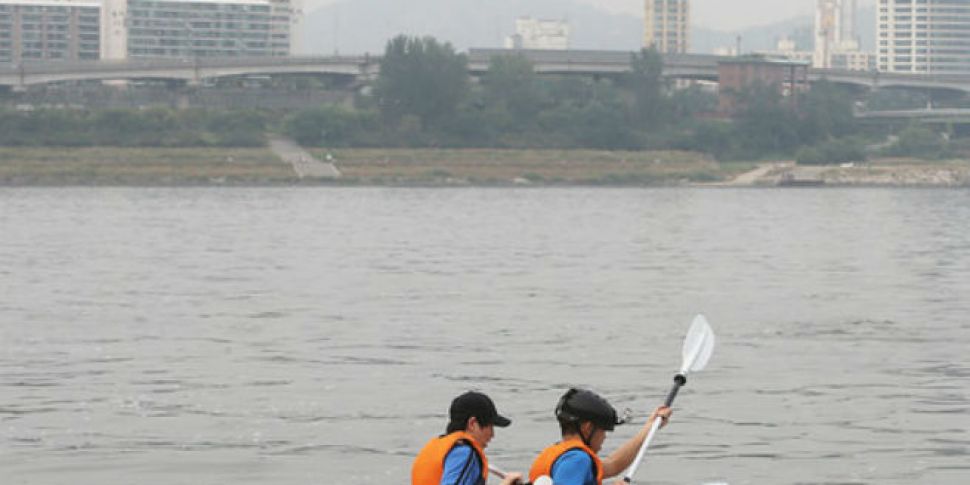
{"type": "Point", "coordinates": [543, 480]}
{"type": "Point", "coordinates": [698, 345]}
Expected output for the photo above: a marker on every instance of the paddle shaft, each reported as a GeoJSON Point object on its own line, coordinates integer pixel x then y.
{"type": "Point", "coordinates": [679, 381]}
{"type": "Point", "coordinates": [501, 474]}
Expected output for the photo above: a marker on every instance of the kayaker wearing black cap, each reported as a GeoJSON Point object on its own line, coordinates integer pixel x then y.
{"type": "Point", "coordinates": [584, 418]}
{"type": "Point", "coordinates": [458, 457]}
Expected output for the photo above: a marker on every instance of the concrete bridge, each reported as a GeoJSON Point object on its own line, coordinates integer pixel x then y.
{"type": "Point", "coordinates": [602, 63]}
{"type": "Point", "coordinates": [365, 68]}
{"type": "Point", "coordinates": [929, 115]}
{"type": "Point", "coordinates": [957, 83]}
{"type": "Point", "coordinates": [192, 71]}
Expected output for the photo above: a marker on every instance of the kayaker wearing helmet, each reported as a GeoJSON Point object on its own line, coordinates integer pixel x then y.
{"type": "Point", "coordinates": [458, 457]}
{"type": "Point", "coordinates": [584, 418]}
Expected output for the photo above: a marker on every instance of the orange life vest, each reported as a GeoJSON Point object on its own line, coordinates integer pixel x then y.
{"type": "Point", "coordinates": [429, 466]}
{"type": "Point", "coordinates": [543, 464]}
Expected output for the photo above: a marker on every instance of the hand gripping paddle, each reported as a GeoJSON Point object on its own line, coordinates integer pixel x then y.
{"type": "Point", "coordinates": [698, 347]}
{"type": "Point", "coordinates": [543, 480]}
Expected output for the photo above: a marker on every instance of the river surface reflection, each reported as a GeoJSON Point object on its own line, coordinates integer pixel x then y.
{"type": "Point", "coordinates": [292, 336]}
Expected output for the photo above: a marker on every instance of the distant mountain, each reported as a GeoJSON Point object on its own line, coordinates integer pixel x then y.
{"type": "Point", "coordinates": [866, 26]}
{"type": "Point", "coordinates": [760, 38]}
{"type": "Point", "coordinates": [359, 26]}
{"type": "Point", "coordinates": [766, 37]}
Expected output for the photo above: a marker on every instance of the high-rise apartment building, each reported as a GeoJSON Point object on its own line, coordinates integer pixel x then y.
{"type": "Point", "coordinates": [924, 36]}
{"type": "Point", "coordinates": [667, 25]}
{"type": "Point", "coordinates": [49, 30]}
{"type": "Point", "coordinates": [122, 29]}
{"type": "Point", "coordinates": [835, 31]}
{"type": "Point", "coordinates": [286, 27]}
{"type": "Point", "coordinates": [191, 29]}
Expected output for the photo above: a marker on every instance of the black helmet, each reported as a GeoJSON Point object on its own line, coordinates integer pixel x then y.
{"type": "Point", "coordinates": [579, 405]}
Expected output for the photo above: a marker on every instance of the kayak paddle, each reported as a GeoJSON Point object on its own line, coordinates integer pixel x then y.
{"type": "Point", "coordinates": [543, 480]}
{"type": "Point", "coordinates": [698, 347]}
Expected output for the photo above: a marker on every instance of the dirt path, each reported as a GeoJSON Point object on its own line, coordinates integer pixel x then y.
{"type": "Point", "coordinates": [755, 176]}
{"type": "Point", "coordinates": [304, 164]}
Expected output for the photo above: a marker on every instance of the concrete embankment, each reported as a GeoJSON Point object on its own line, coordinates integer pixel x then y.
{"type": "Point", "coordinates": [877, 173]}
{"type": "Point", "coordinates": [304, 164]}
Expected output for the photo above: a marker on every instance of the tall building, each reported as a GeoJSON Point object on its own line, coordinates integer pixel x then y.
{"type": "Point", "coordinates": [835, 31]}
{"type": "Point", "coordinates": [667, 25]}
{"type": "Point", "coordinates": [197, 28]}
{"type": "Point", "coordinates": [924, 36]}
{"type": "Point", "coordinates": [49, 30]}
{"type": "Point", "coordinates": [849, 59]}
{"type": "Point", "coordinates": [121, 29]}
{"type": "Point", "coordinates": [539, 34]}
{"type": "Point", "coordinates": [114, 29]}
{"type": "Point", "coordinates": [286, 27]}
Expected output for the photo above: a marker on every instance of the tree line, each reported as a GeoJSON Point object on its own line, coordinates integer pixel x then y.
{"type": "Point", "coordinates": [425, 97]}
{"type": "Point", "coordinates": [156, 127]}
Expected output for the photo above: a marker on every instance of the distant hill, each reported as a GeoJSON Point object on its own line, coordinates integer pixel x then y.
{"type": "Point", "coordinates": [761, 38]}
{"type": "Point", "coordinates": [766, 37]}
{"type": "Point", "coordinates": [359, 26]}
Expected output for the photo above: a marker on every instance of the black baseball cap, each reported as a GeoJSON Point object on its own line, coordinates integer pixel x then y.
{"type": "Point", "coordinates": [477, 405]}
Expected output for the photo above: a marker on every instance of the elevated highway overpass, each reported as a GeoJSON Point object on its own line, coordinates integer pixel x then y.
{"type": "Point", "coordinates": [365, 68]}
{"type": "Point", "coordinates": [603, 63]}
{"type": "Point", "coordinates": [192, 71]}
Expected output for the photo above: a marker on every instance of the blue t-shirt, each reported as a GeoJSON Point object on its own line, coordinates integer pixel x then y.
{"type": "Point", "coordinates": [574, 467]}
{"type": "Point", "coordinates": [462, 467]}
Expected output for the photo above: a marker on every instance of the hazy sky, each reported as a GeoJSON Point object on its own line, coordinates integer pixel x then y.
{"type": "Point", "coordinates": [717, 14]}
{"type": "Point", "coordinates": [728, 14]}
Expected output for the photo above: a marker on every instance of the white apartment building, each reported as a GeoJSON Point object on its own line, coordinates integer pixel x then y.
{"type": "Point", "coordinates": [49, 30]}
{"type": "Point", "coordinates": [122, 29]}
{"type": "Point", "coordinates": [835, 33]}
{"type": "Point", "coordinates": [923, 36]}
{"type": "Point", "coordinates": [785, 49]}
{"type": "Point", "coordinates": [197, 28]}
{"type": "Point", "coordinates": [851, 60]}
{"type": "Point", "coordinates": [539, 34]}
{"type": "Point", "coordinates": [667, 25]}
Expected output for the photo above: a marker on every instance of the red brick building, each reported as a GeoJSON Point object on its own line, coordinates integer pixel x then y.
{"type": "Point", "coordinates": [736, 75]}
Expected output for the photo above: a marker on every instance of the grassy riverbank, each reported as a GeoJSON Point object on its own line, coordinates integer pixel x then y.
{"type": "Point", "coordinates": [443, 167]}
{"type": "Point", "coordinates": [141, 166]}
{"type": "Point", "coordinates": [422, 167]}
{"type": "Point", "coordinates": [523, 167]}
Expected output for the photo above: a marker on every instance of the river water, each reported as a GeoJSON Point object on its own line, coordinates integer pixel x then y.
{"type": "Point", "coordinates": [295, 336]}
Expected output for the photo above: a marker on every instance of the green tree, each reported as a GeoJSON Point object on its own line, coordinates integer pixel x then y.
{"type": "Point", "coordinates": [921, 142]}
{"type": "Point", "coordinates": [825, 112]}
{"type": "Point", "coordinates": [423, 78]}
{"type": "Point", "coordinates": [718, 138]}
{"type": "Point", "coordinates": [645, 81]}
{"type": "Point", "coordinates": [327, 125]}
{"type": "Point", "coordinates": [687, 104]}
{"type": "Point", "coordinates": [840, 150]}
{"type": "Point", "coordinates": [511, 88]}
{"type": "Point", "coordinates": [767, 123]}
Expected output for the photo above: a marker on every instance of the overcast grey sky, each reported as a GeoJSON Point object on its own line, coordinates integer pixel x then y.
{"type": "Point", "coordinates": [727, 14]}
{"type": "Point", "coordinates": [717, 14]}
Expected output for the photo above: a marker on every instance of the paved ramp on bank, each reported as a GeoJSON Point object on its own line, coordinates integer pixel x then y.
{"type": "Point", "coordinates": [304, 164]}
{"type": "Point", "coordinates": [758, 175]}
